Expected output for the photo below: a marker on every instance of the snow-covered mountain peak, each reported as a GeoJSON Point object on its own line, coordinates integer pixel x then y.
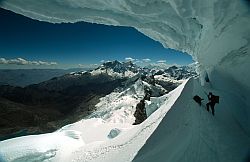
{"type": "Point", "coordinates": [128, 70]}
{"type": "Point", "coordinates": [111, 64]}
{"type": "Point", "coordinates": [120, 105]}
{"type": "Point", "coordinates": [117, 69]}
{"type": "Point", "coordinates": [118, 66]}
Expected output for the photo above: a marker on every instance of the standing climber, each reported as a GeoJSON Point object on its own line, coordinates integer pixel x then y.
{"type": "Point", "coordinates": [212, 101]}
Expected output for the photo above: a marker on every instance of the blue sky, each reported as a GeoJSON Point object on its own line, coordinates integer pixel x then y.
{"type": "Point", "coordinates": [72, 44]}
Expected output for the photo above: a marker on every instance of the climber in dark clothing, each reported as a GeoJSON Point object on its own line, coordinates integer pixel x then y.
{"type": "Point", "coordinates": [212, 101]}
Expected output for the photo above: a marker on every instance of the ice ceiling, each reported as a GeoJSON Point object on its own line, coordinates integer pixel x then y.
{"type": "Point", "coordinates": [215, 32]}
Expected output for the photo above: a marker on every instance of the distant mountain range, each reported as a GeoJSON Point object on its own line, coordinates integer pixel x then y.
{"type": "Point", "coordinates": [24, 77]}
{"type": "Point", "coordinates": [47, 106]}
{"type": "Point", "coordinates": [129, 69]}
{"type": "Point", "coordinates": [166, 76]}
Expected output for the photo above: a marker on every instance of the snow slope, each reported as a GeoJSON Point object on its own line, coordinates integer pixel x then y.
{"type": "Point", "coordinates": [189, 133]}
{"type": "Point", "coordinates": [52, 146]}
{"type": "Point", "coordinates": [92, 139]}
{"type": "Point", "coordinates": [179, 130]}
{"type": "Point", "coordinates": [119, 107]}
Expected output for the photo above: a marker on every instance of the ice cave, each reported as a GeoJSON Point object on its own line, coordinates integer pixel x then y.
{"type": "Point", "coordinates": [217, 35]}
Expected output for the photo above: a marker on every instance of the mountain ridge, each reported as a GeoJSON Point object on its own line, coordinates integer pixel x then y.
{"type": "Point", "coordinates": [73, 96]}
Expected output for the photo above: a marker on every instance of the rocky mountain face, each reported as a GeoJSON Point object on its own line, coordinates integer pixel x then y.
{"type": "Point", "coordinates": [51, 104]}
{"type": "Point", "coordinates": [118, 69]}
{"type": "Point", "coordinates": [47, 106]}
{"type": "Point", "coordinates": [179, 73]}
{"type": "Point", "coordinates": [169, 78]}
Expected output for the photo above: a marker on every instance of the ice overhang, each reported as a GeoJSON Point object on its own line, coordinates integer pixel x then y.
{"type": "Point", "coordinates": [215, 32]}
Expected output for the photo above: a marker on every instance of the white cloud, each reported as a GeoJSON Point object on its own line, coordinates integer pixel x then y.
{"type": "Point", "coordinates": [21, 61]}
{"type": "Point", "coordinates": [161, 61]}
{"type": "Point", "coordinates": [18, 61]}
{"type": "Point", "coordinates": [3, 61]}
{"type": "Point", "coordinates": [129, 59]}
{"type": "Point", "coordinates": [102, 61]}
{"type": "Point", "coordinates": [146, 60]}
{"type": "Point", "coordinates": [53, 63]}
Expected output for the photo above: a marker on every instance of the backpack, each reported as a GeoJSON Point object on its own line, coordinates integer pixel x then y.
{"type": "Point", "coordinates": [197, 99]}
{"type": "Point", "coordinates": [216, 99]}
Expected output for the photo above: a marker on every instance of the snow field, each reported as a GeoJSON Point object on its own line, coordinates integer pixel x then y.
{"type": "Point", "coordinates": [88, 140]}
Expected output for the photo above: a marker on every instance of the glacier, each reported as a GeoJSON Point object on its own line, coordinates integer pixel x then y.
{"type": "Point", "coordinates": [217, 35]}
